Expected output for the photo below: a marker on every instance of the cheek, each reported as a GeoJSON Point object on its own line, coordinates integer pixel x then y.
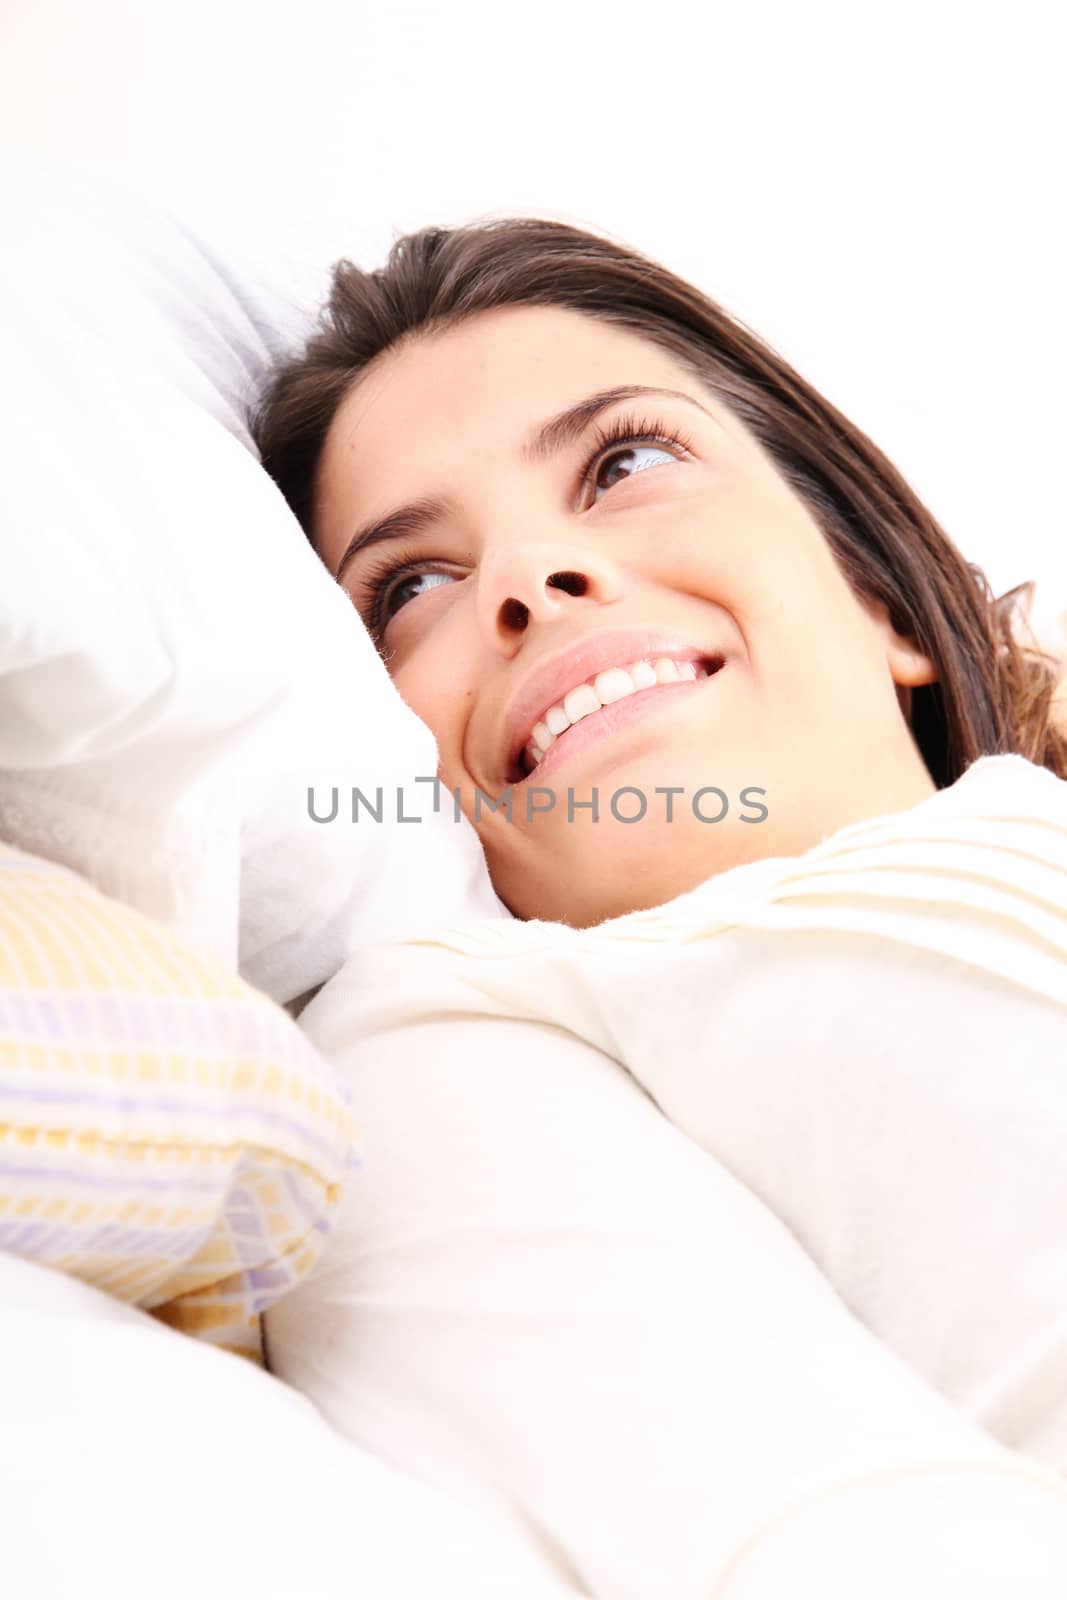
{"type": "Point", "coordinates": [788, 570]}
{"type": "Point", "coordinates": [415, 685]}
{"type": "Point", "coordinates": [747, 545]}
{"type": "Point", "coordinates": [438, 701]}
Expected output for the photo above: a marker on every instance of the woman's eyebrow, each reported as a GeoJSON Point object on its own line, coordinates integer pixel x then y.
{"type": "Point", "coordinates": [561, 430]}
{"type": "Point", "coordinates": [399, 524]}
{"type": "Point", "coordinates": [549, 440]}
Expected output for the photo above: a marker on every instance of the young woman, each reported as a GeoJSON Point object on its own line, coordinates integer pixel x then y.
{"type": "Point", "coordinates": [531, 457]}
{"type": "Point", "coordinates": [768, 780]}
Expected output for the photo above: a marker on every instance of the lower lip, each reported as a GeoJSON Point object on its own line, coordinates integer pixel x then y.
{"type": "Point", "coordinates": [608, 720]}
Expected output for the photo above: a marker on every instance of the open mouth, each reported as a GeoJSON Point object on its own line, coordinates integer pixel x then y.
{"type": "Point", "coordinates": [608, 701]}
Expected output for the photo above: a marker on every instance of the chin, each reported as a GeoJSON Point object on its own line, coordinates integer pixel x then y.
{"type": "Point", "coordinates": [575, 878]}
{"type": "Point", "coordinates": [547, 893]}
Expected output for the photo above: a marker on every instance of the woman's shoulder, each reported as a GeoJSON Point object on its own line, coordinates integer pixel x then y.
{"type": "Point", "coordinates": [977, 871]}
{"type": "Point", "coordinates": [1006, 786]}
{"type": "Point", "coordinates": [1001, 802]}
{"type": "Point", "coordinates": [998, 802]}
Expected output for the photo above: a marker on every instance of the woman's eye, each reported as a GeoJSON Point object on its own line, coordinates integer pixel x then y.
{"type": "Point", "coordinates": [627, 462]}
{"type": "Point", "coordinates": [408, 589]}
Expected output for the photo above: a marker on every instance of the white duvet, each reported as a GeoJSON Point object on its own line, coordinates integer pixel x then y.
{"type": "Point", "coordinates": [137, 1461]}
{"type": "Point", "coordinates": [638, 1339]}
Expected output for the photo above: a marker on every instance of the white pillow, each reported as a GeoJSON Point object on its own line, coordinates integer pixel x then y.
{"type": "Point", "coordinates": [176, 666]}
{"type": "Point", "coordinates": [136, 1460]}
{"type": "Point", "coordinates": [547, 1300]}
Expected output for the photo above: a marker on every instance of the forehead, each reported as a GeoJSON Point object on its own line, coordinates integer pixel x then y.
{"type": "Point", "coordinates": [485, 382]}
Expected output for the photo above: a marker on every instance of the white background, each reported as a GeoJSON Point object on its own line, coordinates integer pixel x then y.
{"type": "Point", "coordinates": [876, 189]}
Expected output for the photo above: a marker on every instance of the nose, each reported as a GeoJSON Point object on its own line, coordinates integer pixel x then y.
{"type": "Point", "coordinates": [540, 582]}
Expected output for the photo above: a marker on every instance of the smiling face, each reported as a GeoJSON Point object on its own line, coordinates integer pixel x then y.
{"type": "Point", "coordinates": [576, 560]}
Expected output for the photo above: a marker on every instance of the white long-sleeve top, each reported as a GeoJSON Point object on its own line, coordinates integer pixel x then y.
{"type": "Point", "coordinates": [873, 1037]}
{"type": "Point", "coordinates": [621, 1333]}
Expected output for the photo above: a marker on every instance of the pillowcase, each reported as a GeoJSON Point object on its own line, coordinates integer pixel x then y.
{"type": "Point", "coordinates": [177, 668]}
{"type": "Point", "coordinates": [166, 1133]}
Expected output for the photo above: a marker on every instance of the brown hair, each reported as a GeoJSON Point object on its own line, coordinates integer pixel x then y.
{"type": "Point", "coordinates": [994, 693]}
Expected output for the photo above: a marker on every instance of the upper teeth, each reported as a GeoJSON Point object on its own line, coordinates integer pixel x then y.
{"type": "Point", "coordinates": [613, 684]}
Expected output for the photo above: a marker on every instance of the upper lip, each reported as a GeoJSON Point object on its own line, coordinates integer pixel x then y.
{"type": "Point", "coordinates": [550, 679]}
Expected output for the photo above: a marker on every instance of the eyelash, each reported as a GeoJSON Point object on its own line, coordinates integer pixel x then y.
{"type": "Point", "coordinates": [622, 430]}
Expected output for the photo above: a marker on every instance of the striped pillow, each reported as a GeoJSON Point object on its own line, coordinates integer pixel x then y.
{"type": "Point", "coordinates": [166, 1132]}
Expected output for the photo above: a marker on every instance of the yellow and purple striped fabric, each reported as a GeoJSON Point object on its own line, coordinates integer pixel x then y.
{"type": "Point", "coordinates": [166, 1132]}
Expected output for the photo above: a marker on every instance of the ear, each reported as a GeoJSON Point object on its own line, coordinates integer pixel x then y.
{"type": "Point", "coordinates": [908, 665]}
